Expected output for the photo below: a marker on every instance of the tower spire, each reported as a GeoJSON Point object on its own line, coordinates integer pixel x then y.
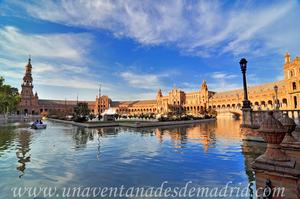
{"type": "Point", "coordinates": [99, 91]}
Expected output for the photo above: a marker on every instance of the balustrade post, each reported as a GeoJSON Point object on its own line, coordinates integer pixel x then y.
{"type": "Point", "coordinates": [275, 166]}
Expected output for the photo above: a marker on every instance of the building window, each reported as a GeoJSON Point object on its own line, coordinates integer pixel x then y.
{"type": "Point", "coordinates": [294, 86]}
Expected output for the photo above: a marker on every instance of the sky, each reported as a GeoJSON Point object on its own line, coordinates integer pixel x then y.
{"type": "Point", "coordinates": [133, 48]}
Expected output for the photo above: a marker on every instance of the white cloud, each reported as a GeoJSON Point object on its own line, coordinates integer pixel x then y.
{"type": "Point", "coordinates": [145, 81]}
{"type": "Point", "coordinates": [223, 81]}
{"type": "Point", "coordinates": [222, 75]}
{"type": "Point", "coordinates": [71, 82]}
{"type": "Point", "coordinates": [199, 28]}
{"type": "Point", "coordinates": [69, 46]}
{"type": "Point", "coordinates": [57, 59]}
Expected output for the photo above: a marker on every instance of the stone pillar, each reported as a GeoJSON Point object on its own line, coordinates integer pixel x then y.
{"type": "Point", "coordinates": [290, 144]}
{"type": "Point", "coordinates": [275, 170]}
{"type": "Point", "coordinates": [247, 117]}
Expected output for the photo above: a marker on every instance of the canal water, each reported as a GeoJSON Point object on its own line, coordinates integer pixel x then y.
{"type": "Point", "coordinates": [65, 157]}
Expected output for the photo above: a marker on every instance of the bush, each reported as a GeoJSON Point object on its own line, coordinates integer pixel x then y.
{"type": "Point", "coordinates": [81, 112]}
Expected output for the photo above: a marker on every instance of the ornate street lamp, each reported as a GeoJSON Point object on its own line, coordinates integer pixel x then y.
{"type": "Point", "coordinates": [276, 97]}
{"type": "Point", "coordinates": [246, 102]}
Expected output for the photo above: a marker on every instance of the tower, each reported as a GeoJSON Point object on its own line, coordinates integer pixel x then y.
{"type": "Point", "coordinates": [159, 101]}
{"type": "Point", "coordinates": [291, 70]}
{"type": "Point", "coordinates": [287, 58]}
{"type": "Point", "coordinates": [29, 100]}
{"type": "Point", "coordinates": [159, 94]}
{"type": "Point", "coordinates": [204, 94]}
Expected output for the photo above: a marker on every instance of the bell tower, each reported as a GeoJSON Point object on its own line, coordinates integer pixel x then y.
{"type": "Point", "coordinates": [29, 100]}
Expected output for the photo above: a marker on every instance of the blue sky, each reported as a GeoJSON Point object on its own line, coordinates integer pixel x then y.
{"type": "Point", "coordinates": [135, 47]}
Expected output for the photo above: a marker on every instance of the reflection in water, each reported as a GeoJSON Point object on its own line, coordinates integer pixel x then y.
{"type": "Point", "coordinates": [23, 148]}
{"type": "Point", "coordinates": [203, 134]}
{"type": "Point", "coordinates": [7, 136]}
{"type": "Point", "coordinates": [81, 137]}
{"type": "Point", "coordinates": [63, 155]}
{"type": "Point", "coordinates": [99, 143]}
{"type": "Point", "coordinates": [251, 150]}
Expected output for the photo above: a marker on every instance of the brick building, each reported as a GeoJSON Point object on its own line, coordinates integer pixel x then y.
{"type": "Point", "coordinates": [177, 101]}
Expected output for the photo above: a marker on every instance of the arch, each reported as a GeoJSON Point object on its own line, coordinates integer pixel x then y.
{"type": "Point", "coordinates": [256, 103]}
{"type": "Point", "coordinates": [263, 103]}
{"type": "Point", "coordinates": [219, 106]}
{"type": "Point", "coordinates": [233, 105]}
{"type": "Point", "coordinates": [223, 105]}
{"type": "Point", "coordinates": [25, 111]}
{"type": "Point", "coordinates": [284, 101]}
{"type": "Point", "coordinates": [239, 105]}
{"type": "Point", "coordinates": [214, 106]}
{"type": "Point", "coordinates": [270, 102]}
{"type": "Point", "coordinates": [228, 105]}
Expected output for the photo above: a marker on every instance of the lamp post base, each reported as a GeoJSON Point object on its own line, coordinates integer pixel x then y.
{"type": "Point", "coordinates": [246, 104]}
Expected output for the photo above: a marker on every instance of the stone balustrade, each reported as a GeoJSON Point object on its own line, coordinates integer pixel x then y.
{"type": "Point", "coordinates": [259, 115]}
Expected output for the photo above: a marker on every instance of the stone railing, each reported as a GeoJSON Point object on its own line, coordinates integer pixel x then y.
{"type": "Point", "coordinates": [259, 116]}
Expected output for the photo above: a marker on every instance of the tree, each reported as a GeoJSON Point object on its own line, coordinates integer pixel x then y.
{"type": "Point", "coordinates": [9, 97]}
{"type": "Point", "coordinates": [81, 112]}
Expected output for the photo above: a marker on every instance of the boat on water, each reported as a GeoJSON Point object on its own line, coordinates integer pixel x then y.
{"type": "Point", "coordinates": [38, 126]}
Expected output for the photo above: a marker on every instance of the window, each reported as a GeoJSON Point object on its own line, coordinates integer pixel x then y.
{"type": "Point", "coordinates": [294, 86]}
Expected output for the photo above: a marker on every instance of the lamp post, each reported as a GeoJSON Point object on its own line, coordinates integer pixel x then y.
{"type": "Point", "coordinates": [276, 97]}
{"type": "Point", "coordinates": [246, 102]}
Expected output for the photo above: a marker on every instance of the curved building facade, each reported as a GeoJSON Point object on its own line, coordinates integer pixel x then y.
{"type": "Point", "coordinates": [262, 97]}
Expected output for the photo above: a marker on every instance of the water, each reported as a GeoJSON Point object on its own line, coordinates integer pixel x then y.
{"type": "Point", "coordinates": [209, 154]}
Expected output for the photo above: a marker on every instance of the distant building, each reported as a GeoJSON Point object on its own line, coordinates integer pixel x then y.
{"type": "Point", "coordinates": [29, 102]}
{"type": "Point", "coordinates": [177, 101]}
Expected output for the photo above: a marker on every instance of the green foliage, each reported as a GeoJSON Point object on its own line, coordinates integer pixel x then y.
{"type": "Point", "coordinates": [9, 97]}
{"type": "Point", "coordinates": [81, 112]}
